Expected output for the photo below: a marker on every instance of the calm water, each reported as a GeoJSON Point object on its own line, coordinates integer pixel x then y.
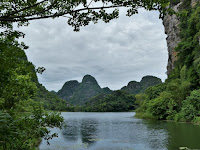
{"type": "Point", "coordinates": [121, 131]}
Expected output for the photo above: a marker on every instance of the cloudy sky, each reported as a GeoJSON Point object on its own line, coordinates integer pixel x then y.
{"type": "Point", "coordinates": [126, 49]}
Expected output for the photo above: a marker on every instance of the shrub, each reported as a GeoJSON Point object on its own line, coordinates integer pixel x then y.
{"type": "Point", "coordinates": [160, 107]}
{"type": "Point", "coordinates": [191, 107]}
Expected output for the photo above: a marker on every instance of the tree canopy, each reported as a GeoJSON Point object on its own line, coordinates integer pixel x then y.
{"type": "Point", "coordinates": [77, 12]}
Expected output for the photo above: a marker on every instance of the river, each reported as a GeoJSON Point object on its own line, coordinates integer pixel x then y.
{"type": "Point", "coordinates": [121, 131]}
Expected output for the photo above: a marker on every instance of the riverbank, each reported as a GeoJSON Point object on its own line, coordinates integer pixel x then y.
{"type": "Point", "coordinates": [196, 121]}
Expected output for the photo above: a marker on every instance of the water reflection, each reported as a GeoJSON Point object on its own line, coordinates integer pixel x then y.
{"type": "Point", "coordinates": [71, 131]}
{"type": "Point", "coordinates": [183, 135]}
{"type": "Point", "coordinates": [121, 131]}
{"type": "Point", "coordinates": [175, 134]}
{"type": "Point", "coordinates": [88, 131]}
{"type": "Point", "coordinates": [83, 130]}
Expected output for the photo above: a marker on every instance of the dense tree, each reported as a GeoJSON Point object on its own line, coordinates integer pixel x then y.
{"type": "Point", "coordinates": [23, 121]}
{"type": "Point", "coordinates": [178, 99]}
{"type": "Point", "coordinates": [117, 101]}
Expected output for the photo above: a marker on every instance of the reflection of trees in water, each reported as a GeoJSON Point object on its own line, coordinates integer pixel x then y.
{"type": "Point", "coordinates": [88, 131]}
{"type": "Point", "coordinates": [176, 134]}
{"type": "Point", "coordinates": [71, 131]}
{"type": "Point", "coordinates": [156, 134]}
{"type": "Point", "coordinates": [84, 129]}
{"type": "Point", "coordinates": [183, 135]}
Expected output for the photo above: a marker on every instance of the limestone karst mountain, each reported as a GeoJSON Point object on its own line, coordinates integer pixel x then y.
{"type": "Point", "coordinates": [87, 89]}
{"type": "Point", "coordinates": [135, 87]}
{"type": "Point", "coordinates": [79, 93]}
{"type": "Point", "coordinates": [68, 89]}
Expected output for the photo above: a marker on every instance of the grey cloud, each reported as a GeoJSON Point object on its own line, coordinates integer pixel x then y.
{"type": "Point", "coordinates": [125, 49]}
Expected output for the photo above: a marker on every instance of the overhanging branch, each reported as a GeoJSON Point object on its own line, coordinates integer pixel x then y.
{"type": "Point", "coordinates": [23, 18]}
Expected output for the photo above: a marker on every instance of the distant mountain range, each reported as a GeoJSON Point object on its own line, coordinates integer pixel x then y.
{"type": "Point", "coordinates": [79, 93]}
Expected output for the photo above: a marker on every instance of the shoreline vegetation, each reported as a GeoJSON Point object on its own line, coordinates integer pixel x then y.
{"type": "Point", "coordinates": [149, 117]}
{"type": "Point", "coordinates": [178, 99]}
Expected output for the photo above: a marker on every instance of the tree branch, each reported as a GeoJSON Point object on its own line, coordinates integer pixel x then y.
{"type": "Point", "coordinates": [17, 11]}
{"type": "Point", "coordinates": [13, 18]}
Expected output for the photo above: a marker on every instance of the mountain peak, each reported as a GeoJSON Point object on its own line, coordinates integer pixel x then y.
{"type": "Point", "coordinates": [135, 87]}
{"type": "Point", "coordinates": [88, 88]}
{"type": "Point", "coordinates": [149, 78]}
{"type": "Point", "coordinates": [89, 78]}
{"type": "Point", "coordinates": [68, 89]}
{"type": "Point", "coordinates": [133, 83]}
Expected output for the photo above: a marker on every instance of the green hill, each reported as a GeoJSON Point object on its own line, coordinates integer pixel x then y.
{"type": "Point", "coordinates": [79, 93]}
{"type": "Point", "coordinates": [49, 99]}
{"type": "Point", "coordinates": [14, 62]}
{"type": "Point", "coordinates": [87, 89]}
{"type": "Point", "coordinates": [118, 101]}
{"type": "Point", "coordinates": [135, 87]}
{"type": "Point", "coordinates": [68, 89]}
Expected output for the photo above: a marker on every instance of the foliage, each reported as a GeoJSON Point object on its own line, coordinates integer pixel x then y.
{"type": "Point", "coordinates": [162, 106]}
{"type": "Point", "coordinates": [135, 87]}
{"type": "Point", "coordinates": [154, 91]}
{"type": "Point", "coordinates": [189, 46]}
{"type": "Point", "coordinates": [140, 99]}
{"type": "Point", "coordinates": [150, 93]}
{"type": "Point", "coordinates": [191, 107]}
{"type": "Point", "coordinates": [16, 76]}
{"type": "Point", "coordinates": [179, 89]}
{"type": "Point", "coordinates": [177, 99]}
{"type": "Point", "coordinates": [197, 120]}
{"type": "Point", "coordinates": [49, 100]}
{"type": "Point", "coordinates": [78, 12]}
{"type": "Point", "coordinates": [22, 131]}
{"type": "Point", "coordinates": [118, 101]}
{"type": "Point", "coordinates": [23, 121]}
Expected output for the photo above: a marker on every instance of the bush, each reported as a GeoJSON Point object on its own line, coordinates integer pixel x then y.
{"type": "Point", "coordinates": [197, 120]}
{"type": "Point", "coordinates": [190, 108]}
{"type": "Point", "coordinates": [154, 91]}
{"type": "Point", "coordinates": [162, 106]}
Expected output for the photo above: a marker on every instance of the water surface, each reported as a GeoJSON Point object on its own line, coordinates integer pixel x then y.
{"type": "Point", "coordinates": [121, 131]}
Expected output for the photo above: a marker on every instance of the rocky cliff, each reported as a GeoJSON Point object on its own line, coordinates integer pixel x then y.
{"type": "Point", "coordinates": [171, 25]}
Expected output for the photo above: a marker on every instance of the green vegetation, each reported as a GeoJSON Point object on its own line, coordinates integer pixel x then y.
{"type": "Point", "coordinates": [79, 12]}
{"type": "Point", "coordinates": [89, 96]}
{"type": "Point", "coordinates": [87, 89]}
{"type": "Point", "coordinates": [23, 120]}
{"type": "Point", "coordinates": [135, 87]}
{"type": "Point", "coordinates": [68, 89]}
{"type": "Point", "coordinates": [79, 93]}
{"type": "Point", "coordinates": [118, 101]}
{"type": "Point", "coordinates": [49, 100]}
{"type": "Point", "coordinates": [179, 98]}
